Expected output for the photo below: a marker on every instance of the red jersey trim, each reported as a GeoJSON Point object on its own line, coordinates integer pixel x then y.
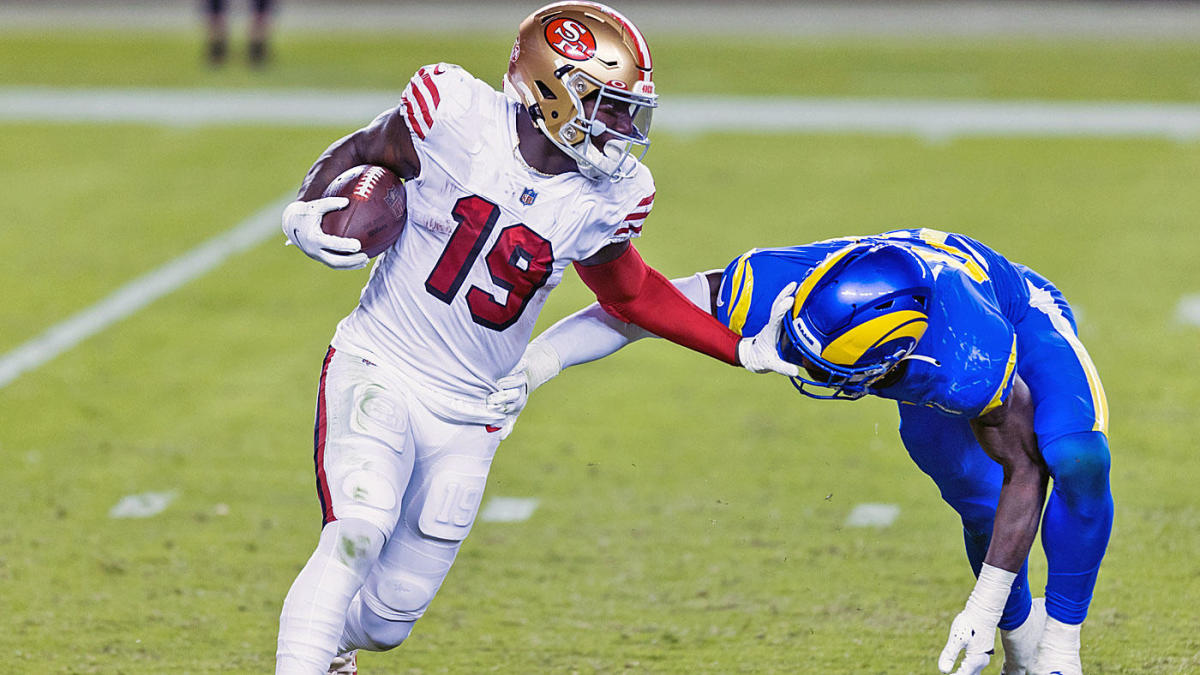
{"type": "Point", "coordinates": [319, 446]}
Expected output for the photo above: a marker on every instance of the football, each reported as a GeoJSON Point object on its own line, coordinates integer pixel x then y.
{"type": "Point", "coordinates": [377, 210]}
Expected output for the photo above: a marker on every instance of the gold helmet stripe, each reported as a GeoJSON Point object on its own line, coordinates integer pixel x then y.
{"type": "Point", "coordinates": [816, 274]}
{"type": "Point", "coordinates": [849, 347]}
{"type": "Point", "coordinates": [643, 49]}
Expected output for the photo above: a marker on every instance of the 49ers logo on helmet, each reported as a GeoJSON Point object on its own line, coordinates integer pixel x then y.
{"type": "Point", "coordinates": [571, 39]}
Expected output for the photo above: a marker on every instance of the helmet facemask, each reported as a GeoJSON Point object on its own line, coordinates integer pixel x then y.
{"type": "Point", "coordinates": [828, 380]}
{"type": "Point", "coordinates": [622, 151]}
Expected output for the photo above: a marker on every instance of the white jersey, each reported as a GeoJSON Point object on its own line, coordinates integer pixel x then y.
{"type": "Point", "coordinates": [453, 303]}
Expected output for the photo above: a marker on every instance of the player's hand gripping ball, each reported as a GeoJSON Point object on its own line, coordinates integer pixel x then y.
{"type": "Point", "coordinates": [377, 210]}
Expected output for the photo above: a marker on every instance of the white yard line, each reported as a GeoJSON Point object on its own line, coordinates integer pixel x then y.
{"type": "Point", "coordinates": [140, 292]}
{"type": "Point", "coordinates": [931, 119]}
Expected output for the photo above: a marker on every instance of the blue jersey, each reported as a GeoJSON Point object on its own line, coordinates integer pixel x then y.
{"type": "Point", "coordinates": [964, 364]}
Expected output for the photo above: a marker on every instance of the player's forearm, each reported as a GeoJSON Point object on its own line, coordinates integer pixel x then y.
{"type": "Point", "coordinates": [637, 293]}
{"type": "Point", "coordinates": [588, 335]}
{"type": "Point", "coordinates": [592, 333]}
{"type": "Point", "coordinates": [664, 311]}
{"type": "Point", "coordinates": [1007, 436]}
{"type": "Point", "coordinates": [1017, 516]}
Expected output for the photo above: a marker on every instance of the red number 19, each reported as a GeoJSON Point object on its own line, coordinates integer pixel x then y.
{"type": "Point", "coordinates": [520, 262]}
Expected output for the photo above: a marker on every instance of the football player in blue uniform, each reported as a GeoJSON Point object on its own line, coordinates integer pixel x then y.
{"type": "Point", "coordinates": [996, 395]}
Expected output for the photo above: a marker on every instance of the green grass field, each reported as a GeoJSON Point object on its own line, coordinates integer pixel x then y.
{"type": "Point", "coordinates": [691, 516]}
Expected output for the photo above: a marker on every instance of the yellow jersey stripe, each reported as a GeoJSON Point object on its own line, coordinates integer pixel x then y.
{"type": "Point", "coordinates": [741, 292]}
{"type": "Point", "coordinates": [997, 398]}
{"type": "Point", "coordinates": [1044, 302]}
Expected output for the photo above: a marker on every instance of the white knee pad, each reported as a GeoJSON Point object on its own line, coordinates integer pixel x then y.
{"type": "Point", "coordinates": [384, 633]}
{"type": "Point", "coordinates": [401, 596]}
{"type": "Point", "coordinates": [353, 542]}
{"type": "Point", "coordinates": [365, 629]}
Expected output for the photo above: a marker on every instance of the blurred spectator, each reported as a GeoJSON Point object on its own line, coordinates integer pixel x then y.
{"type": "Point", "coordinates": [218, 31]}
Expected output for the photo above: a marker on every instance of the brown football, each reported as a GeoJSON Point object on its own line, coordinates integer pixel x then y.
{"type": "Point", "coordinates": [377, 210]}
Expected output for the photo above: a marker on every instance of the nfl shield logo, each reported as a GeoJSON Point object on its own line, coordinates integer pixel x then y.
{"type": "Point", "coordinates": [528, 196]}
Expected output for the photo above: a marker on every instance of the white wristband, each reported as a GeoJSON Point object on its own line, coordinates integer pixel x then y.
{"type": "Point", "coordinates": [992, 589]}
{"type": "Point", "coordinates": [541, 363]}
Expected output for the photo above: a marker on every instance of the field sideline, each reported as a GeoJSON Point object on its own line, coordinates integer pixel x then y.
{"type": "Point", "coordinates": [681, 517]}
{"type": "Point", "coordinates": [930, 119]}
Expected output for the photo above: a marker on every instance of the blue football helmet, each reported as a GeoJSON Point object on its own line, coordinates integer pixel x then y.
{"type": "Point", "coordinates": [857, 314]}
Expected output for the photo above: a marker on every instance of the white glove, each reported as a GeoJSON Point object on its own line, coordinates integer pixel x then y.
{"type": "Point", "coordinates": [302, 225]}
{"type": "Point", "coordinates": [969, 631]}
{"type": "Point", "coordinates": [760, 354]}
{"type": "Point", "coordinates": [512, 397]}
{"type": "Point", "coordinates": [974, 629]}
{"type": "Point", "coordinates": [538, 366]}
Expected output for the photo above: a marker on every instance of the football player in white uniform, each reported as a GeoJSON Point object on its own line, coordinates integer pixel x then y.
{"type": "Point", "coordinates": [504, 190]}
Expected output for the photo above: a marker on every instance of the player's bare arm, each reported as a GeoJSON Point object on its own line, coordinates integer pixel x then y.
{"type": "Point", "coordinates": [1006, 435]}
{"type": "Point", "coordinates": [606, 254]}
{"type": "Point", "coordinates": [385, 142]}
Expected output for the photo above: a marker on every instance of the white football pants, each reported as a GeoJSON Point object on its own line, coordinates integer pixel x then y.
{"type": "Point", "coordinates": [399, 488]}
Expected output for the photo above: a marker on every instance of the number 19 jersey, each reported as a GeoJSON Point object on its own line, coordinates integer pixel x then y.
{"type": "Point", "coordinates": [452, 304]}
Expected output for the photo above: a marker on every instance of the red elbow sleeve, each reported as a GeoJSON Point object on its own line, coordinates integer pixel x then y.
{"type": "Point", "coordinates": [634, 292]}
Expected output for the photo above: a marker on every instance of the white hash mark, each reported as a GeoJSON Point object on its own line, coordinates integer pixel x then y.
{"type": "Point", "coordinates": [508, 509]}
{"type": "Point", "coordinates": [145, 505]}
{"type": "Point", "coordinates": [1187, 311]}
{"type": "Point", "coordinates": [872, 515]}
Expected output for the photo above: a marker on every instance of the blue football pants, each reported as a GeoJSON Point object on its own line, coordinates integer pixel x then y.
{"type": "Point", "coordinates": [1077, 519]}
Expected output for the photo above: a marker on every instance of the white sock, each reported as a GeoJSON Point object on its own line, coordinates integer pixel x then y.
{"type": "Point", "coordinates": [1059, 650]}
{"type": "Point", "coordinates": [1021, 643]}
{"type": "Point", "coordinates": [1061, 636]}
{"type": "Point", "coordinates": [314, 611]}
{"type": "Point", "coordinates": [353, 635]}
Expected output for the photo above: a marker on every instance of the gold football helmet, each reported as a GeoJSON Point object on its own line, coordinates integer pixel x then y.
{"type": "Point", "coordinates": [569, 51]}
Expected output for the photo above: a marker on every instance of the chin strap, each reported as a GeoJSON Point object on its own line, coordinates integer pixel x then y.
{"type": "Point", "coordinates": [918, 357]}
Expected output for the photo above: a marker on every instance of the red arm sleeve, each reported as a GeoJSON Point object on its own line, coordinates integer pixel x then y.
{"type": "Point", "coordinates": [632, 291]}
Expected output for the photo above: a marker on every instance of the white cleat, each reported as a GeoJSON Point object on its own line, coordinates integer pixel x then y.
{"type": "Point", "coordinates": [344, 664]}
{"type": "Point", "coordinates": [1021, 643]}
